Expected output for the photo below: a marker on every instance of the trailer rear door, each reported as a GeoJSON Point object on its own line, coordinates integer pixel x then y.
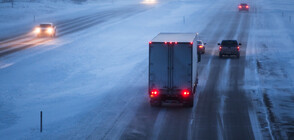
{"type": "Point", "coordinates": [158, 66]}
{"type": "Point", "coordinates": [182, 66]}
{"type": "Point", "coordinates": [170, 66]}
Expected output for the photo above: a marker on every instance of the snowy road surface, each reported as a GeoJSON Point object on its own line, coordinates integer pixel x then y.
{"type": "Point", "coordinates": [91, 81]}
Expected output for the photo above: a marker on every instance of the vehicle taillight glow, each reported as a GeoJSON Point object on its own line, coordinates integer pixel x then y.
{"type": "Point", "coordinates": [240, 6]}
{"type": "Point", "coordinates": [238, 48]}
{"type": "Point", "coordinates": [154, 93]}
{"type": "Point", "coordinates": [165, 42]}
{"type": "Point", "coordinates": [150, 42]}
{"type": "Point", "coordinates": [191, 43]}
{"type": "Point", "coordinates": [200, 46]}
{"type": "Point", "coordinates": [220, 48]}
{"type": "Point", "coordinates": [170, 42]}
{"type": "Point", "coordinates": [247, 6]}
{"type": "Point", "coordinates": [176, 42]}
{"type": "Point", "coordinates": [185, 93]}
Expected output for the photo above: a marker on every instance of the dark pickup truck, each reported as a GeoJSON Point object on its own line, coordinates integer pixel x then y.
{"type": "Point", "coordinates": [229, 47]}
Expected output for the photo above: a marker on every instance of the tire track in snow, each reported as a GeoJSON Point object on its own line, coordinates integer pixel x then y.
{"type": "Point", "coordinates": [204, 71]}
{"type": "Point", "coordinates": [224, 82]}
{"type": "Point", "coordinates": [236, 103]}
{"type": "Point", "coordinates": [205, 112]}
{"type": "Point", "coordinates": [158, 124]}
{"type": "Point", "coordinates": [223, 88]}
{"type": "Point", "coordinates": [214, 56]}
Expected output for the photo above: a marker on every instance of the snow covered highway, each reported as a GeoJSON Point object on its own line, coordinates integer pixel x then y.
{"type": "Point", "coordinates": [91, 81]}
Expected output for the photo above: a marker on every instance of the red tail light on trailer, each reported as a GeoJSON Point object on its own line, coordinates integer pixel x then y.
{"type": "Point", "coordinates": [154, 93]}
{"type": "Point", "coordinates": [185, 93]}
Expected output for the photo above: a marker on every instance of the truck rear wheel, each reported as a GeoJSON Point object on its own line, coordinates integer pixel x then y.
{"type": "Point", "coordinates": [220, 55]}
{"type": "Point", "coordinates": [155, 103]}
{"type": "Point", "coordinates": [238, 55]}
{"type": "Point", "coordinates": [189, 103]}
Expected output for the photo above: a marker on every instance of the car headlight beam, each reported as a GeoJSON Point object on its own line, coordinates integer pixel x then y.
{"type": "Point", "coordinates": [50, 30]}
{"type": "Point", "coordinates": [37, 30]}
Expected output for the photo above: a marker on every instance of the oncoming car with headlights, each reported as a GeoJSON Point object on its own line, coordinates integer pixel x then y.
{"type": "Point", "coordinates": [45, 29]}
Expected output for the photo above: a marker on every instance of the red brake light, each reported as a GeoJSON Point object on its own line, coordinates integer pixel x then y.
{"type": "Point", "coordinates": [191, 43]}
{"type": "Point", "coordinates": [247, 6]}
{"type": "Point", "coordinates": [240, 6]}
{"type": "Point", "coordinates": [165, 42]}
{"type": "Point", "coordinates": [154, 93]}
{"type": "Point", "coordinates": [200, 46]}
{"type": "Point", "coordinates": [185, 93]}
{"type": "Point", "coordinates": [176, 42]}
{"type": "Point", "coordinates": [220, 48]}
{"type": "Point", "coordinates": [150, 42]}
{"type": "Point", "coordinates": [238, 48]}
{"type": "Point", "coordinates": [170, 42]}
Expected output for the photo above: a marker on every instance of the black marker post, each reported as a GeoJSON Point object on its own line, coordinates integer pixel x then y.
{"type": "Point", "coordinates": [41, 119]}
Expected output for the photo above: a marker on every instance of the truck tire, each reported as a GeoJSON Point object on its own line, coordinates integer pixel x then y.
{"type": "Point", "coordinates": [189, 103]}
{"type": "Point", "coordinates": [155, 103]}
{"type": "Point", "coordinates": [220, 56]}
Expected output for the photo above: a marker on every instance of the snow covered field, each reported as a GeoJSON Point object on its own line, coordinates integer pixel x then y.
{"type": "Point", "coordinates": [90, 83]}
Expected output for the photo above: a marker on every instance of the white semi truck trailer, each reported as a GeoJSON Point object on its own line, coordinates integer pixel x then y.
{"type": "Point", "coordinates": [173, 75]}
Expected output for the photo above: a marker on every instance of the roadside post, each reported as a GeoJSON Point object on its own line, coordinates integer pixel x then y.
{"type": "Point", "coordinates": [41, 121]}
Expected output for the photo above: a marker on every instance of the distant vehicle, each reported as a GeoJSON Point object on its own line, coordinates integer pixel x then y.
{"type": "Point", "coordinates": [45, 29]}
{"type": "Point", "coordinates": [201, 46]}
{"type": "Point", "coordinates": [173, 75]}
{"type": "Point", "coordinates": [243, 7]}
{"type": "Point", "coordinates": [229, 47]}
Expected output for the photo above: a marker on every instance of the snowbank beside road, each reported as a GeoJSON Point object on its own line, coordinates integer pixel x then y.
{"type": "Point", "coordinates": [269, 77]}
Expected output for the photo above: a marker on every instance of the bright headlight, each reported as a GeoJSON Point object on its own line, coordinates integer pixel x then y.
{"type": "Point", "coordinates": [37, 30]}
{"type": "Point", "coordinates": [50, 30]}
{"type": "Point", "coordinates": [149, 1]}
